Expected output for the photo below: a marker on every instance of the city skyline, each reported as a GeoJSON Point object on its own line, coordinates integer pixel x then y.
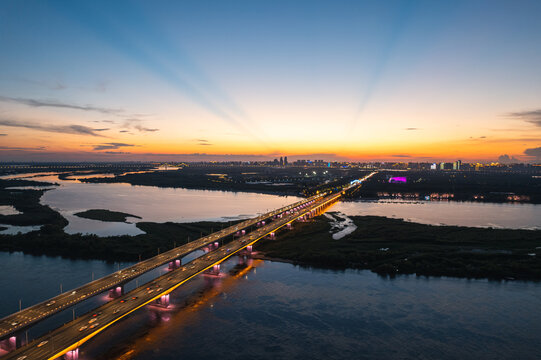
{"type": "Point", "coordinates": [346, 81]}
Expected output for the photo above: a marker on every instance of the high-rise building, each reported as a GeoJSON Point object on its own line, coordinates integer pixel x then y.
{"type": "Point", "coordinates": [457, 164]}
{"type": "Point", "coordinates": [285, 160]}
{"type": "Point", "coordinates": [281, 161]}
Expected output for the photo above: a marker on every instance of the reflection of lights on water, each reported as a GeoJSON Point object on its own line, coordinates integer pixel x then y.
{"type": "Point", "coordinates": [178, 315]}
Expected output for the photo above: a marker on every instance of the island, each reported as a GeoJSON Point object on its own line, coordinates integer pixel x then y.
{"type": "Point", "coordinates": [394, 246]}
{"type": "Point", "coordinates": [105, 215]}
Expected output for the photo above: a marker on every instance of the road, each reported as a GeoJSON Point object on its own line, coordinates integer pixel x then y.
{"type": "Point", "coordinates": [75, 333]}
{"type": "Point", "coordinates": [28, 316]}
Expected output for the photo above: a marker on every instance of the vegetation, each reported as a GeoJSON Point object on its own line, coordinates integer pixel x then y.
{"type": "Point", "coordinates": [32, 212]}
{"type": "Point", "coordinates": [269, 180]}
{"type": "Point", "coordinates": [105, 215]}
{"type": "Point", "coordinates": [392, 246]}
{"type": "Point", "coordinates": [52, 240]}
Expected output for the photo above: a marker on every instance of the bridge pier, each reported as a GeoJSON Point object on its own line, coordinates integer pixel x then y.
{"type": "Point", "coordinates": [116, 292]}
{"type": "Point", "coordinates": [213, 271]}
{"type": "Point", "coordinates": [175, 264]}
{"type": "Point", "coordinates": [72, 355]}
{"type": "Point", "coordinates": [9, 344]}
{"type": "Point", "coordinates": [163, 301]}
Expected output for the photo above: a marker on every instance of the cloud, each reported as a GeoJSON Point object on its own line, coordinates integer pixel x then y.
{"type": "Point", "coordinates": [203, 142]}
{"type": "Point", "coordinates": [39, 148]}
{"type": "Point", "coordinates": [134, 123]}
{"type": "Point", "coordinates": [51, 85]}
{"type": "Point", "coordinates": [401, 156]}
{"type": "Point", "coordinates": [116, 152]}
{"type": "Point", "coordinates": [3, 134]}
{"type": "Point", "coordinates": [50, 103]}
{"type": "Point", "coordinates": [144, 129]}
{"type": "Point", "coordinates": [412, 128]}
{"type": "Point", "coordinates": [104, 121]}
{"type": "Point", "coordinates": [65, 129]}
{"type": "Point", "coordinates": [534, 152]}
{"type": "Point", "coordinates": [111, 146]}
{"type": "Point", "coordinates": [123, 131]}
{"type": "Point", "coordinates": [532, 116]}
{"type": "Point", "coordinates": [506, 159]}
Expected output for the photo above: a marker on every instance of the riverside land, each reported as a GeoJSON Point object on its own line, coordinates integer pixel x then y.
{"type": "Point", "coordinates": [386, 246]}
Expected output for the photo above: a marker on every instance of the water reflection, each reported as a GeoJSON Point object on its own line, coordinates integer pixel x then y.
{"type": "Point", "coordinates": [513, 216]}
{"type": "Point", "coordinates": [152, 204]}
{"type": "Point", "coordinates": [283, 311]}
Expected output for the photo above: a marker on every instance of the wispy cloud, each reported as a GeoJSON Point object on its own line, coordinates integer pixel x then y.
{"type": "Point", "coordinates": [134, 123]}
{"type": "Point", "coordinates": [401, 156]}
{"type": "Point", "coordinates": [531, 116]}
{"type": "Point", "coordinates": [56, 104]}
{"type": "Point", "coordinates": [203, 142]}
{"type": "Point", "coordinates": [65, 129]}
{"type": "Point", "coordinates": [55, 84]}
{"type": "Point", "coordinates": [411, 129]}
{"type": "Point", "coordinates": [145, 129]}
{"type": "Point", "coordinates": [16, 148]}
{"type": "Point", "coordinates": [3, 134]}
{"type": "Point", "coordinates": [111, 146]}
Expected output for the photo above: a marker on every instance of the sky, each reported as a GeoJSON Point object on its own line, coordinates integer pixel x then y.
{"type": "Point", "coordinates": [252, 80]}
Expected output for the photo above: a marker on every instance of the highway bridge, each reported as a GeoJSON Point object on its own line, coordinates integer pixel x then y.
{"type": "Point", "coordinates": [67, 339]}
{"type": "Point", "coordinates": [28, 316]}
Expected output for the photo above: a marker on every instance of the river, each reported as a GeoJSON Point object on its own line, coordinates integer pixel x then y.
{"type": "Point", "coordinates": [187, 205]}
{"type": "Point", "coordinates": [277, 310]}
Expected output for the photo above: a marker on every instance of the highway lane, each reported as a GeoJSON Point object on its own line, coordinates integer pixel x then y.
{"type": "Point", "coordinates": [75, 333]}
{"type": "Point", "coordinates": [28, 316]}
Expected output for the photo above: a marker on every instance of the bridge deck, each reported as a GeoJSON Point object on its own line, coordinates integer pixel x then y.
{"type": "Point", "coordinates": [28, 316]}
{"type": "Point", "coordinates": [75, 333]}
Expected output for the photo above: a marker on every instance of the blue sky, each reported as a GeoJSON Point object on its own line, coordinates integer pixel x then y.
{"type": "Point", "coordinates": [351, 79]}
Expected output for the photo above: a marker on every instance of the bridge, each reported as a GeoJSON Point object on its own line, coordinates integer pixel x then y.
{"type": "Point", "coordinates": [67, 339]}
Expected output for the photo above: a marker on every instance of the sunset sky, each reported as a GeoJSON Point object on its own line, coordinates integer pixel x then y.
{"type": "Point", "coordinates": [214, 80]}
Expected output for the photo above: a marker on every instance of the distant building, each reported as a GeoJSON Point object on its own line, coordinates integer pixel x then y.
{"type": "Point", "coordinates": [434, 166]}
{"type": "Point", "coordinates": [285, 160]}
{"type": "Point", "coordinates": [457, 164]}
{"type": "Point", "coordinates": [281, 161]}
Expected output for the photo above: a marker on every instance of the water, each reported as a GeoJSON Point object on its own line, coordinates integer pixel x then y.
{"type": "Point", "coordinates": [14, 230]}
{"type": "Point", "coordinates": [283, 311]}
{"type": "Point", "coordinates": [8, 210]}
{"type": "Point", "coordinates": [152, 204]}
{"type": "Point", "coordinates": [277, 310]}
{"type": "Point", "coordinates": [496, 215]}
{"type": "Point", "coordinates": [287, 312]}
{"type": "Point", "coordinates": [184, 205]}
